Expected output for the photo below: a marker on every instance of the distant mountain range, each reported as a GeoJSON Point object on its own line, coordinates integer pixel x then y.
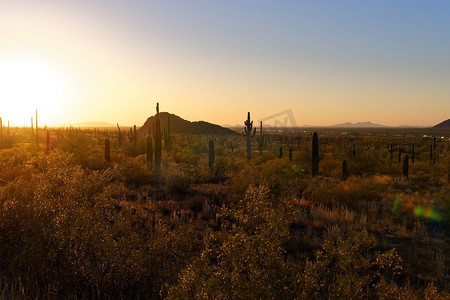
{"type": "Point", "coordinates": [445, 124]}
{"type": "Point", "coordinates": [359, 125]}
{"type": "Point", "coordinates": [368, 124]}
{"type": "Point", "coordinates": [179, 125]}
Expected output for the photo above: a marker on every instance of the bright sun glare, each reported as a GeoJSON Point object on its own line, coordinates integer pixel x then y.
{"type": "Point", "coordinates": [26, 85]}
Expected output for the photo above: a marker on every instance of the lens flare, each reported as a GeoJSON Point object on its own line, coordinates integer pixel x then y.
{"type": "Point", "coordinates": [427, 213]}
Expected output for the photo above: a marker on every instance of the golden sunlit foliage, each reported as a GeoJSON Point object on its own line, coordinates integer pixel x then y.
{"type": "Point", "coordinates": [73, 225]}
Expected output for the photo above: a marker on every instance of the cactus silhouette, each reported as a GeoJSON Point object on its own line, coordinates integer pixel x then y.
{"type": "Point", "coordinates": [290, 153]}
{"type": "Point", "coordinates": [406, 166]}
{"type": "Point", "coordinates": [315, 154]}
{"type": "Point", "coordinates": [119, 136]}
{"type": "Point", "coordinates": [211, 154]}
{"type": "Point", "coordinates": [261, 139]}
{"type": "Point", "coordinates": [249, 135]}
{"type": "Point", "coordinates": [132, 136]}
{"type": "Point", "coordinates": [412, 153]}
{"type": "Point", "coordinates": [107, 150]}
{"type": "Point", "coordinates": [281, 152]}
{"type": "Point", "coordinates": [345, 172]}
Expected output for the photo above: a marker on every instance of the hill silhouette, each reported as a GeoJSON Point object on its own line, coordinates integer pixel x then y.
{"type": "Point", "coordinates": [179, 125]}
{"type": "Point", "coordinates": [445, 124]}
{"type": "Point", "coordinates": [358, 125]}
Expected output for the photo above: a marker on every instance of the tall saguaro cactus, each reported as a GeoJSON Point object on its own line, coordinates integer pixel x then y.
{"type": "Point", "coordinates": [261, 139]}
{"type": "Point", "coordinates": [315, 154]}
{"type": "Point", "coordinates": [119, 136]}
{"type": "Point", "coordinates": [345, 172]}
{"type": "Point", "coordinates": [406, 166]}
{"type": "Point", "coordinates": [249, 135]}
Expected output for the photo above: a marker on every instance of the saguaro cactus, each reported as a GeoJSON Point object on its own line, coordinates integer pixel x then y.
{"type": "Point", "coordinates": [211, 154]}
{"type": "Point", "coordinates": [315, 154]}
{"type": "Point", "coordinates": [149, 152]}
{"type": "Point", "coordinates": [249, 135]}
{"type": "Point", "coordinates": [412, 153]}
{"type": "Point", "coordinates": [261, 139]}
{"type": "Point", "coordinates": [406, 166]}
{"type": "Point", "coordinates": [107, 150]}
{"type": "Point", "coordinates": [281, 152]}
{"type": "Point", "coordinates": [345, 172]}
{"type": "Point", "coordinates": [119, 136]}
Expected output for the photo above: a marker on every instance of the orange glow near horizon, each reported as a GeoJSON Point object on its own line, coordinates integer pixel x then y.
{"type": "Point", "coordinates": [111, 62]}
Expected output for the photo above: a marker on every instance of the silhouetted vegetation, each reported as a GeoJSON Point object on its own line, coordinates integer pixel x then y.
{"type": "Point", "coordinates": [88, 214]}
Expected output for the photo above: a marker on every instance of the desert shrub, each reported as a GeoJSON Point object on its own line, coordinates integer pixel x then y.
{"type": "Point", "coordinates": [85, 150]}
{"type": "Point", "coordinates": [64, 227]}
{"type": "Point", "coordinates": [281, 176]}
{"type": "Point", "coordinates": [444, 202]}
{"type": "Point", "coordinates": [17, 161]}
{"type": "Point", "coordinates": [247, 259]}
{"type": "Point", "coordinates": [132, 170]}
{"type": "Point", "coordinates": [331, 167]}
{"type": "Point", "coordinates": [348, 269]}
{"type": "Point", "coordinates": [176, 181]}
{"type": "Point", "coordinates": [355, 191]}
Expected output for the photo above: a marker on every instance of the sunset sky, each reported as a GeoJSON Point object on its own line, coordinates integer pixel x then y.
{"type": "Point", "coordinates": [329, 61]}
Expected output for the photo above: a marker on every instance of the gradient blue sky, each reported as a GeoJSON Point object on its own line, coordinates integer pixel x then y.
{"type": "Point", "coordinates": [329, 61]}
